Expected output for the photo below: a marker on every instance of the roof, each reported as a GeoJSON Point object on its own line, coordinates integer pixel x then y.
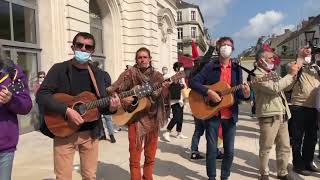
{"type": "Point", "coordinates": [310, 23]}
{"type": "Point", "coordinates": [184, 5]}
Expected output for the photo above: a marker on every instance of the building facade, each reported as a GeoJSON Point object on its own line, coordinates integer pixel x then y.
{"type": "Point", "coordinates": [289, 47]}
{"type": "Point", "coordinates": [38, 33]}
{"type": "Point", "coordinates": [190, 24]}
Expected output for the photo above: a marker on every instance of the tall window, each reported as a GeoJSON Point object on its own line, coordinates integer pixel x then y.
{"type": "Point", "coordinates": [20, 25]}
{"type": "Point", "coordinates": [179, 16]}
{"type": "Point", "coordinates": [180, 48]}
{"type": "Point", "coordinates": [180, 33]}
{"type": "Point", "coordinates": [96, 27]}
{"type": "Point", "coordinates": [193, 15]}
{"type": "Point", "coordinates": [193, 32]}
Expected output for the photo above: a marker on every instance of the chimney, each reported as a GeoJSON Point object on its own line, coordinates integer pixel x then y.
{"type": "Point", "coordinates": [287, 31]}
{"type": "Point", "coordinates": [310, 18]}
{"type": "Point", "coordinates": [304, 23]}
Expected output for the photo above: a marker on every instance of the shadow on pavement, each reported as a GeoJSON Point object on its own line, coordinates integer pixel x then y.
{"type": "Point", "coordinates": [110, 172]}
{"type": "Point", "coordinates": [165, 147]}
{"type": "Point", "coordinates": [247, 128]}
{"type": "Point", "coordinates": [168, 168]}
{"type": "Point", "coordinates": [247, 134]}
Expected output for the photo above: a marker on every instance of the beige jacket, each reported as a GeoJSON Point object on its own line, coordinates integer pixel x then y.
{"type": "Point", "coordinates": [304, 91]}
{"type": "Point", "coordinates": [270, 97]}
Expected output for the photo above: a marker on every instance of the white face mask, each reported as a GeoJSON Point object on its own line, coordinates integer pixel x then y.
{"type": "Point", "coordinates": [269, 66]}
{"type": "Point", "coordinates": [225, 51]}
{"type": "Point", "coordinates": [181, 69]}
{"type": "Point", "coordinates": [307, 59]}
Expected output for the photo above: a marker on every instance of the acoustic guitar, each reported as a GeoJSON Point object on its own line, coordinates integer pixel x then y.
{"type": "Point", "coordinates": [124, 115]}
{"type": "Point", "coordinates": [86, 104]}
{"type": "Point", "coordinates": [202, 108]}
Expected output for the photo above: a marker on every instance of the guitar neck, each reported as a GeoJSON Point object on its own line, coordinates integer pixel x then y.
{"type": "Point", "coordinates": [104, 102]}
{"type": "Point", "coordinates": [238, 87]}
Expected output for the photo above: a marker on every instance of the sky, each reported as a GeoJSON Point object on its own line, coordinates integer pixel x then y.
{"type": "Point", "coordinates": [246, 20]}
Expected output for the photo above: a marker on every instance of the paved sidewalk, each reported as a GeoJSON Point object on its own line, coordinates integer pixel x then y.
{"type": "Point", "coordinates": [33, 160]}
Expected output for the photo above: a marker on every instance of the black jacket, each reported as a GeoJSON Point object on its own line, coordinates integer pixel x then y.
{"type": "Point", "coordinates": [58, 80]}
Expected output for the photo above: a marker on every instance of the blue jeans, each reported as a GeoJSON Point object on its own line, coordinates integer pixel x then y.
{"type": "Point", "coordinates": [6, 161]}
{"type": "Point", "coordinates": [198, 132]}
{"type": "Point", "coordinates": [228, 132]}
{"type": "Point", "coordinates": [107, 121]}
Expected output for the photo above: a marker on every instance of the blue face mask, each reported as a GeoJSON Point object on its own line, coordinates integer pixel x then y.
{"type": "Point", "coordinates": [82, 57]}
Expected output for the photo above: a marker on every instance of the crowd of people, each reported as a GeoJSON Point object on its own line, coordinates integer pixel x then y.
{"type": "Point", "coordinates": [289, 124]}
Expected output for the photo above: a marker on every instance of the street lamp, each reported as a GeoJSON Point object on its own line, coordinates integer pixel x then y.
{"type": "Point", "coordinates": [309, 37]}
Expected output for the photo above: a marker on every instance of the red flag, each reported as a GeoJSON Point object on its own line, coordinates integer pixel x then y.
{"type": "Point", "coordinates": [195, 53]}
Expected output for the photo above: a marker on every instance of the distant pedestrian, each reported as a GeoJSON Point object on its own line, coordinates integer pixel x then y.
{"type": "Point", "coordinates": [177, 104]}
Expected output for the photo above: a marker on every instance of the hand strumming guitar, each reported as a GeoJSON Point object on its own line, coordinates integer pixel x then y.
{"type": "Point", "coordinates": [213, 96]}
{"type": "Point", "coordinates": [114, 103]}
{"type": "Point", "coordinates": [74, 117]}
{"type": "Point", "coordinates": [127, 101]}
{"type": "Point", "coordinates": [5, 96]}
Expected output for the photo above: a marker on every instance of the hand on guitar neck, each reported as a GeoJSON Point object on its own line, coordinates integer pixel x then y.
{"type": "Point", "coordinates": [76, 118]}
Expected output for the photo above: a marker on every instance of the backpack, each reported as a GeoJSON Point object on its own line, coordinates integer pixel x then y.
{"type": "Point", "coordinates": [175, 90]}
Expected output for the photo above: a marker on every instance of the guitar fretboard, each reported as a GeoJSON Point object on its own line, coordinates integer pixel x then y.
{"type": "Point", "coordinates": [271, 76]}
{"type": "Point", "coordinates": [104, 102]}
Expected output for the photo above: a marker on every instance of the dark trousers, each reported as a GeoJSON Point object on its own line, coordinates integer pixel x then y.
{"type": "Point", "coordinates": [253, 108]}
{"type": "Point", "coordinates": [303, 133]}
{"type": "Point", "coordinates": [199, 127]}
{"type": "Point", "coordinates": [228, 132]}
{"type": "Point", "coordinates": [177, 119]}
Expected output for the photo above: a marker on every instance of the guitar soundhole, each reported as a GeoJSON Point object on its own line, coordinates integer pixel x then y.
{"type": "Point", "coordinates": [133, 105]}
{"type": "Point", "coordinates": [80, 108]}
{"type": "Point", "coordinates": [213, 104]}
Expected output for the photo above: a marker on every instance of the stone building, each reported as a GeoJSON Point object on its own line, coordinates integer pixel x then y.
{"type": "Point", "coordinates": [38, 33]}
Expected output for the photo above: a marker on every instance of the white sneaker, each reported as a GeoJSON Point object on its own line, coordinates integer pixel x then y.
{"type": "Point", "coordinates": [181, 136]}
{"type": "Point", "coordinates": [166, 136]}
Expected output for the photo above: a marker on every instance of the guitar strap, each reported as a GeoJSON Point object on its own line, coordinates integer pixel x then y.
{"type": "Point", "coordinates": [93, 79]}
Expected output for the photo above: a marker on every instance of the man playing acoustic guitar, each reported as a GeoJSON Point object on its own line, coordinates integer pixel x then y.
{"type": "Point", "coordinates": [73, 77]}
{"type": "Point", "coordinates": [143, 128]}
{"type": "Point", "coordinates": [213, 72]}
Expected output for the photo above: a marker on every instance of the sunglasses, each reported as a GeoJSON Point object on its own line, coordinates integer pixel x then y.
{"type": "Point", "coordinates": [88, 47]}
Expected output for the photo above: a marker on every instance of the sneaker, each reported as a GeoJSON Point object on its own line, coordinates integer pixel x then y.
{"type": "Point", "coordinates": [313, 167]}
{"type": "Point", "coordinates": [112, 139]}
{"type": "Point", "coordinates": [181, 136]}
{"type": "Point", "coordinates": [166, 136]}
{"type": "Point", "coordinates": [264, 177]}
{"type": "Point", "coordinates": [115, 131]}
{"type": "Point", "coordinates": [303, 172]}
{"type": "Point", "coordinates": [196, 156]}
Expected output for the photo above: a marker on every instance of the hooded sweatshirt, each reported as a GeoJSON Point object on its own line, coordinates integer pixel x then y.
{"type": "Point", "coordinates": [20, 103]}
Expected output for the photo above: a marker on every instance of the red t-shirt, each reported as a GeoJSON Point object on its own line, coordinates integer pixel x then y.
{"type": "Point", "coordinates": [226, 113]}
